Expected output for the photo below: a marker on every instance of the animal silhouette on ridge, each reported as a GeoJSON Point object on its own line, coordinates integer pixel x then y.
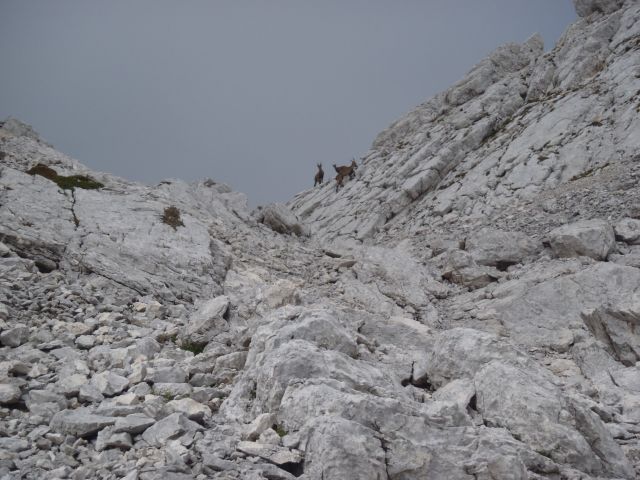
{"type": "Point", "coordinates": [319, 175]}
{"type": "Point", "coordinates": [345, 171]}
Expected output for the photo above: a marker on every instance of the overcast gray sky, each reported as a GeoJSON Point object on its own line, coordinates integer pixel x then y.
{"type": "Point", "coordinates": [252, 93]}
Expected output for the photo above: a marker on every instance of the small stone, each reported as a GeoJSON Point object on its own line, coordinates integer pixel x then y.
{"type": "Point", "coordinates": [89, 393]}
{"type": "Point", "coordinates": [9, 394]}
{"type": "Point", "coordinates": [133, 424]}
{"type": "Point", "coordinates": [169, 428]}
{"type": "Point", "coordinates": [628, 230]}
{"type": "Point", "coordinates": [86, 341]}
{"type": "Point", "coordinates": [192, 409]}
{"type": "Point", "coordinates": [109, 384]}
{"type": "Point", "coordinates": [261, 423]}
{"type": "Point", "coordinates": [138, 373]}
{"type": "Point", "coordinates": [272, 453]}
{"type": "Point", "coordinates": [4, 250]}
{"type": "Point", "coordinates": [167, 375]}
{"type": "Point", "coordinates": [16, 336]}
{"type": "Point", "coordinates": [108, 438]}
{"type": "Point", "coordinates": [172, 390]}
{"type": "Point", "coordinates": [70, 386]}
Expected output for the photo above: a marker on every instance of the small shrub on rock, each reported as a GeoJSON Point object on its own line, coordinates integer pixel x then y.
{"type": "Point", "coordinates": [171, 217]}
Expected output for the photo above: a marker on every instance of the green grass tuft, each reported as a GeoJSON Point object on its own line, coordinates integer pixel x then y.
{"type": "Point", "coordinates": [66, 183]}
{"type": "Point", "coordinates": [280, 430]}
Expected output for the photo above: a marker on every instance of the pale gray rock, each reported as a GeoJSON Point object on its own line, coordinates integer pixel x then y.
{"type": "Point", "coordinates": [460, 267]}
{"type": "Point", "coordinates": [590, 238]}
{"type": "Point", "coordinates": [233, 361]}
{"type": "Point", "coordinates": [70, 386]}
{"type": "Point", "coordinates": [514, 393]}
{"type": "Point", "coordinates": [498, 248]}
{"type": "Point", "coordinates": [133, 424]}
{"type": "Point", "coordinates": [80, 422]}
{"type": "Point", "coordinates": [45, 396]}
{"type": "Point", "coordinates": [172, 390]}
{"type": "Point", "coordinates": [90, 393]}
{"type": "Point", "coordinates": [167, 375]}
{"type": "Point", "coordinates": [584, 8]}
{"type": "Point", "coordinates": [169, 428]}
{"type": "Point", "coordinates": [9, 393]}
{"type": "Point", "coordinates": [628, 230]}
{"type": "Point", "coordinates": [272, 453]}
{"type": "Point", "coordinates": [346, 347]}
{"type": "Point", "coordinates": [280, 219]}
{"type": "Point", "coordinates": [616, 327]}
{"type": "Point", "coordinates": [193, 410]}
{"type": "Point", "coordinates": [16, 336]}
{"type": "Point", "coordinates": [327, 453]}
{"type": "Point", "coordinates": [108, 438]}
{"type": "Point", "coordinates": [109, 384]}
{"type": "Point", "coordinates": [207, 321]}
{"type": "Point", "coordinates": [545, 306]}
{"type": "Point", "coordinates": [18, 128]}
{"type": "Point", "coordinates": [261, 423]}
{"type": "Point", "coordinates": [86, 341]}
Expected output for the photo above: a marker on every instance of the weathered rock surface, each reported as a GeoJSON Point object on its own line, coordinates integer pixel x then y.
{"type": "Point", "coordinates": [628, 230]}
{"type": "Point", "coordinates": [593, 238]}
{"type": "Point", "coordinates": [280, 219]}
{"type": "Point", "coordinates": [466, 307]}
{"type": "Point", "coordinates": [80, 422]}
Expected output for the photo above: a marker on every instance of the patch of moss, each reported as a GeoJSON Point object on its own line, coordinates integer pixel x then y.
{"type": "Point", "coordinates": [171, 217]}
{"type": "Point", "coordinates": [195, 348]}
{"type": "Point", "coordinates": [65, 182]}
{"type": "Point", "coordinates": [168, 396]}
{"type": "Point", "coordinates": [280, 430]}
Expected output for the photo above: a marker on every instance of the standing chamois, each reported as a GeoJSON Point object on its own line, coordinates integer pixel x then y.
{"type": "Point", "coordinates": [345, 171]}
{"type": "Point", "coordinates": [319, 175]}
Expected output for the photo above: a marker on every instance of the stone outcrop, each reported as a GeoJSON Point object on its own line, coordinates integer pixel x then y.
{"type": "Point", "coordinates": [466, 307]}
{"type": "Point", "coordinates": [592, 238]}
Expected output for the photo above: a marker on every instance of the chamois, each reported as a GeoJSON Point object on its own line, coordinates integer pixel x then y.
{"type": "Point", "coordinates": [319, 175]}
{"type": "Point", "coordinates": [344, 171]}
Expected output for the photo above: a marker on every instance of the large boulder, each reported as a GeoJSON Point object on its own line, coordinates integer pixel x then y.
{"type": "Point", "coordinates": [280, 219]}
{"type": "Point", "coordinates": [515, 393]}
{"type": "Point", "coordinates": [169, 428]}
{"type": "Point", "coordinates": [589, 238]}
{"type": "Point", "coordinates": [206, 321]}
{"type": "Point", "coordinates": [461, 268]}
{"type": "Point", "coordinates": [498, 248]}
{"type": "Point", "coordinates": [616, 326]}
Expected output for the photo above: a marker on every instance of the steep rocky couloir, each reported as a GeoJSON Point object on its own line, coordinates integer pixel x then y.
{"type": "Point", "coordinates": [465, 308]}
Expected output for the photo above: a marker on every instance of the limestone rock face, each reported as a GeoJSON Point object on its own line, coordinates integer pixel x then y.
{"type": "Point", "coordinates": [500, 249]}
{"type": "Point", "coordinates": [592, 238]}
{"type": "Point", "coordinates": [585, 8]}
{"type": "Point", "coordinates": [466, 307]}
{"type": "Point", "coordinates": [280, 219]}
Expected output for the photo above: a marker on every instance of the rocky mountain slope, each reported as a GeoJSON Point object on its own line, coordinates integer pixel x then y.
{"type": "Point", "coordinates": [465, 308]}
